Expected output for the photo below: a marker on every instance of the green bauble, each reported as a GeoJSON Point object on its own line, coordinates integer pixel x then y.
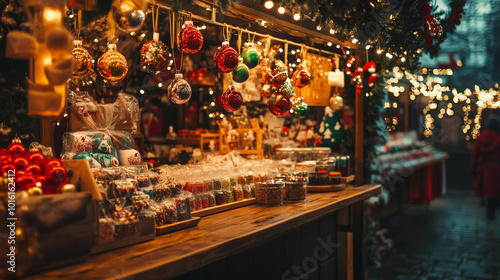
{"type": "Point", "coordinates": [241, 73]}
{"type": "Point", "coordinates": [301, 110]}
{"type": "Point", "coordinates": [251, 57]}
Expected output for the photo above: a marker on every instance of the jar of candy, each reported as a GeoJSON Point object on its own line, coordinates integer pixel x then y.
{"type": "Point", "coordinates": [335, 178]}
{"type": "Point", "coordinates": [270, 193]}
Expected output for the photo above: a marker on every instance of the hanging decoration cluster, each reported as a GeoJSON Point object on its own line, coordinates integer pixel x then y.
{"type": "Point", "coordinates": [154, 53]}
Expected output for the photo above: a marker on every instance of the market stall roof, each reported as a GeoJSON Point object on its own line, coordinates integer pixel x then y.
{"type": "Point", "coordinates": [263, 22]}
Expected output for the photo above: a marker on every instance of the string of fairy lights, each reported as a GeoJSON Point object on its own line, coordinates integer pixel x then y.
{"type": "Point", "coordinates": [444, 98]}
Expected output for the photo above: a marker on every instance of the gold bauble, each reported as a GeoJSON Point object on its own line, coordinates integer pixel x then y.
{"type": "Point", "coordinates": [112, 65]}
{"type": "Point", "coordinates": [83, 59]}
{"type": "Point", "coordinates": [336, 102]}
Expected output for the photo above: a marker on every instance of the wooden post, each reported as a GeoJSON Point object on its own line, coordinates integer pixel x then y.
{"type": "Point", "coordinates": [359, 132]}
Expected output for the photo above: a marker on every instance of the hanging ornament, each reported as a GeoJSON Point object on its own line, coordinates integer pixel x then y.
{"type": "Point", "coordinates": [112, 65]}
{"type": "Point", "coordinates": [154, 55]}
{"type": "Point", "coordinates": [279, 105]}
{"type": "Point", "coordinates": [265, 91]}
{"type": "Point", "coordinates": [301, 77]}
{"type": "Point", "coordinates": [279, 72]}
{"type": "Point", "coordinates": [190, 39]}
{"type": "Point", "coordinates": [434, 26]}
{"type": "Point", "coordinates": [241, 73]}
{"type": "Point", "coordinates": [286, 89]}
{"type": "Point", "coordinates": [179, 91]}
{"type": "Point", "coordinates": [250, 55]}
{"type": "Point", "coordinates": [226, 58]}
{"type": "Point", "coordinates": [83, 58]}
{"type": "Point", "coordinates": [128, 15]}
{"type": "Point", "coordinates": [231, 99]}
{"type": "Point", "coordinates": [299, 107]}
{"type": "Point", "coordinates": [336, 102]}
{"type": "Point", "coordinates": [35, 157]}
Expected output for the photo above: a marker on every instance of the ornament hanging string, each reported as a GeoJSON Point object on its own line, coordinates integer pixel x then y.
{"type": "Point", "coordinates": [78, 23]}
{"type": "Point", "coordinates": [268, 45]}
{"type": "Point", "coordinates": [174, 28]}
{"type": "Point", "coordinates": [155, 11]}
{"type": "Point", "coordinates": [240, 32]}
{"type": "Point", "coordinates": [303, 53]}
{"type": "Point", "coordinates": [112, 28]}
{"type": "Point", "coordinates": [286, 53]}
{"type": "Point", "coordinates": [226, 32]}
{"type": "Point", "coordinates": [337, 67]}
{"type": "Point", "coordinates": [251, 39]}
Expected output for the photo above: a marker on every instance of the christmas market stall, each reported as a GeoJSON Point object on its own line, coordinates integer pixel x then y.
{"type": "Point", "coordinates": [201, 139]}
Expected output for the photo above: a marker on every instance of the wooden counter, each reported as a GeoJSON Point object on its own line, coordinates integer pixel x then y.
{"type": "Point", "coordinates": [216, 237]}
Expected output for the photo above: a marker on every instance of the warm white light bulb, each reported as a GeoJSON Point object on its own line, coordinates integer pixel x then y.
{"type": "Point", "coordinates": [269, 4]}
{"type": "Point", "coordinates": [332, 31]}
{"type": "Point", "coordinates": [281, 10]}
{"type": "Point", "coordinates": [296, 16]}
{"type": "Point", "coordinates": [329, 44]}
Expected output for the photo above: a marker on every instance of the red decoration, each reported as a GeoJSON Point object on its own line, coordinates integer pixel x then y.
{"type": "Point", "coordinates": [41, 179]}
{"type": "Point", "coordinates": [301, 77]}
{"type": "Point", "coordinates": [226, 58]}
{"type": "Point", "coordinates": [265, 91]}
{"type": "Point", "coordinates": [16, 148]}
{"type": "Point", "coordinates": [25, 182]}
{"type": "Point", "coordinates": [6, 158]}
{"type": "Point", "coordinates": [37, 157]}
{"type": "Point", "coordinates": [279, 105]}
{"type": "Point", "coordinates": [56, 175]}
{"type": "Point", "coordinates": [35, 169]}
{"type": "Point", "coordinates": [154, 55]}
{"type": "Point", "coordinates": [190, 39]}
{"type": "Point", "coordinates": [6, 168]}
{"type": "Point", "coordinates": [231, 99]}
{"type": "Point", "coordinates": [20, 163]}
{"type": "Point", "coordinates": [52, 162]}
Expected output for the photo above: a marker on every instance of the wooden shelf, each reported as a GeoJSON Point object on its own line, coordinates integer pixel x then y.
{"type": "Point", "coordinates": [216, 236]}
{"type": "Point", "coordinates": [177, 226]}
{"type": "Point", "coordinates": [222, 208]}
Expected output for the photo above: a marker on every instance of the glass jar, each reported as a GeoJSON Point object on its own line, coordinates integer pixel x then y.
{"type": "Point", "coordinates": [335, 178]}
{"type": "Point", "coordinates": [320, 153]}
{"type": "Point", "coordinates": [296, 188]}
{"type": "Point", "coordinates": [303, 154]}
{"type": "Point", "coordinates": [270, 193]}
{"type": "Point", "coordinates": [284, 153]}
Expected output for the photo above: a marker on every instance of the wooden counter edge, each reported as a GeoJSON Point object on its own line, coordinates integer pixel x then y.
{"type": "Point", "coordinates": [124, 262]}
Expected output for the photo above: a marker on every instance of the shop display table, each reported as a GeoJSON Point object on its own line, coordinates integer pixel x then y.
{"type": "Point", "coordinates": [236, 235]}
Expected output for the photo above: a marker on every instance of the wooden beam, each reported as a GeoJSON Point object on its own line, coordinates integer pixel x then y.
{"type": "Point", "coordinates": [359, 130]}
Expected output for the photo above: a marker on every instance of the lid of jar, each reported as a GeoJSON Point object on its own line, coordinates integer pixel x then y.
{"type": "Point", "coordinates": [322, 172]}
{"type": "Point", "coordinates": [335, 173]}
{"type": "Point", "coordinates": [284, 149]}
{"type": "Point", "coordinates": [309, 163]}
{"type": "Point", "coordinates": [302, 149]}
{"type": "Point", "coordinates": [272, 184]}
{"type": "Point", "coordinates": [321, 149]}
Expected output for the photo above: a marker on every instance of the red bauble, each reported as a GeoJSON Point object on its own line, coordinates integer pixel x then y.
{"type": "Point", "coordinates": [190, 39]}
{"type": "Point", "coordinates": [36, 158]}
{"type": "Point", "coordinates": [25, 182]}
{"type": "Point", "coordinates": [226, 58]}
{"type": "Point", "coordinates": [231, 99]}
{"type": "Point", "coordinates": [21, 163]}
{"type": "Point", "coordinates": [41, 179]}
{"type": "Point", "coordinates": [20, 173]}
{"type": "Point", "coordinates": [51, 162]}
{"type": "Point", "coordinates": [6, 168]}
{"type": "Point", "coordinates": [301, 77]}
{"type": "Point", "coordinates": [6, 158]}
{"type": "Point", "coordinates": [34, 168]}
{"type": "Point", "coordinates": [154, 55]}
{"type": "Point", "coordinates": [16, 148]}
{"type": "Point", "coordinates": [56, 175]}
{"type": "Point", "coordinates": [279, 105]}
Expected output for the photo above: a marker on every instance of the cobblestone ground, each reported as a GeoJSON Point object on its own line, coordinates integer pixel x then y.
{"type": "Point", "coordinates": [449, 239]}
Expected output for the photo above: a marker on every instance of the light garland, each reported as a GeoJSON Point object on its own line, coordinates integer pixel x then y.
{"type": "Point", "coordinates": [431, 88]}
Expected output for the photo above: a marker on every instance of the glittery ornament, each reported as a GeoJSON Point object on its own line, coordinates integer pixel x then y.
{"type": "Point", "coordinates": [301, 110]}
{"type": "Point", "coordinates": [190, 39]}
{"type": "Point", "coordinates": [265, 91]}
{"type": "Point", "coordinates": [286, 89]}
{"type": "Point", "coordinates": [35, 169]}
{"type": "Point", "coordinates": [179, 91]}
{"type": "Point", "coordinates": [336, 102]}
{"type": "Point", "coordinates": [112, 65]}
{"type": "Point", "coordinates": [241, 73]}
{"type": "Point", "coordinates": [154, 55]}
{"type": "Point", "coordinates": [434, 26]}
{"type": "Point", "coordinates": [21, 163]}
{"type": "Point", "coordinates": [279, 105]}
{"type": "Point", "coordinates": [250, 55]}
{"type": "Point", "coordinates": [231, 99]}
{"type": "Point", "coordinates": [127, 15]}
{"type": "Point", "coordinates": [83, 58]}
{"type": "Point", "coordinates": [226, 58]}
{"type": "Point", "coordinates": [301, 77]}
{"type": "Point", "coordinates": [279, 72]}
